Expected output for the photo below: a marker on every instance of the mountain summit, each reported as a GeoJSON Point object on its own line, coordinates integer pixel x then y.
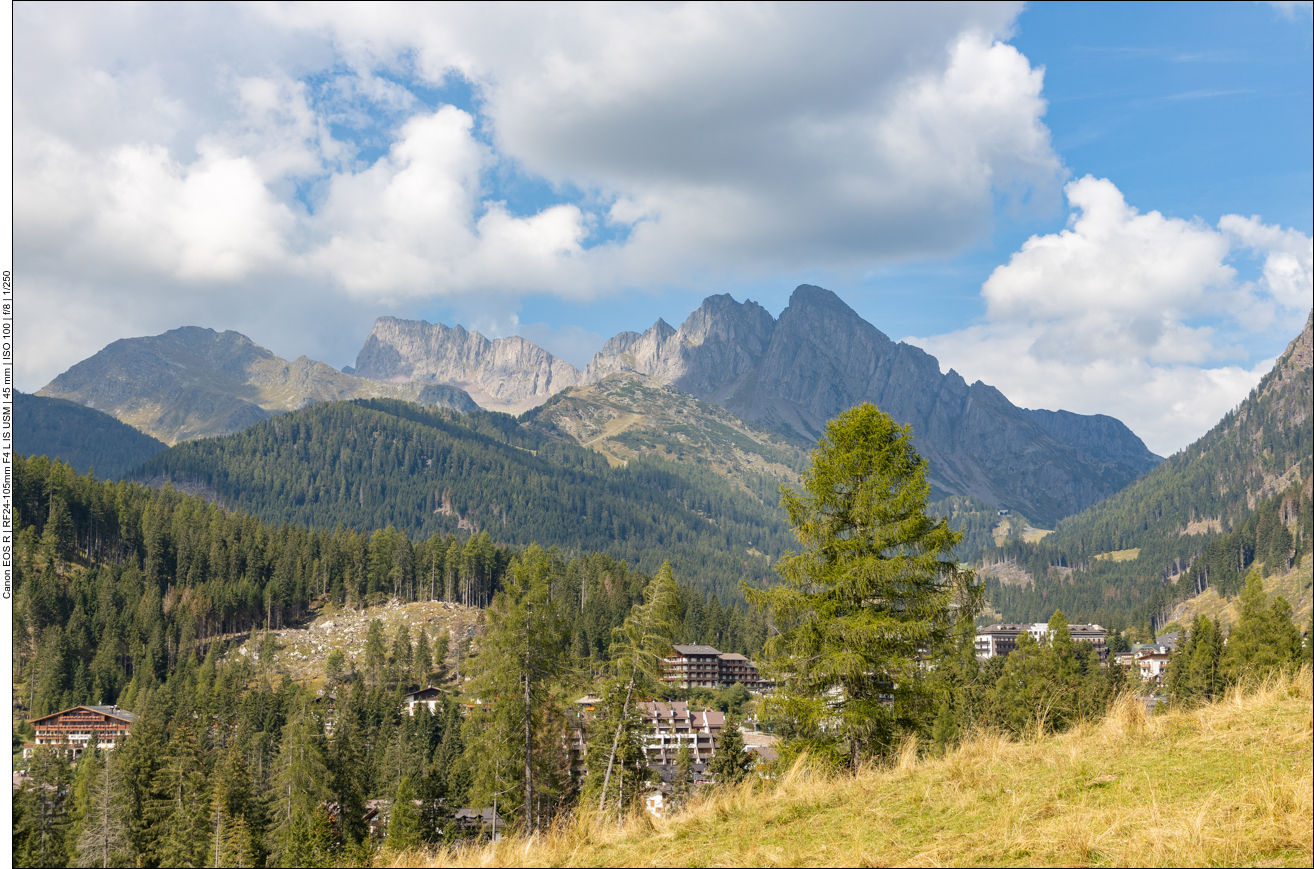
{"type": "Point", "coordinates": [193, 382]}
{"type": "Point", "coordinates": [506, 374]}
{"type": "Point", "coordinates": [819, 358]}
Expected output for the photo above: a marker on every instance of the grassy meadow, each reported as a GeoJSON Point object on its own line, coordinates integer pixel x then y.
{"type": "Point", "coordinates": [1229, 783]}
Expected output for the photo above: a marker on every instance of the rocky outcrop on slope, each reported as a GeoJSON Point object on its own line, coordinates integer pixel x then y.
{"type": "Point", "coordinates": [193, 382]}
{"type": "Point", "coordinates": [506, 374]}
{"type": "Point", "coordinates": [820, 358]}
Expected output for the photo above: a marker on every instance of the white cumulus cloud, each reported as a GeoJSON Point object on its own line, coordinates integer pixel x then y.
{"type": "Point", "coordinates": [170, 159]}
{"type": "Point", "coordinates": [1129, 313]}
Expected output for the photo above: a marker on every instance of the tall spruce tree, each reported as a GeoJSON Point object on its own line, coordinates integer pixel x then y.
{"type": "Point", "coordinates": [1193, 673]}
{"type": "Point", "coordinates": [404, 818]}
{"type": "Point", "coordinates": [524, 653]}
{"type": "Point", "coordinates": [40, 818]}
{"type": "Point", "coordinates": [873, 591]}
{"type": "Point", "coordinates": [730, 763]}
{"type": "Point", "coordinates": [301, 786]}
{"type": "Point", "coordinates": [179, 810]}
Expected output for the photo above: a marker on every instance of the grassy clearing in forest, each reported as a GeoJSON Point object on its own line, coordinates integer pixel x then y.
{"type": "Point", "coordinates": [1229, 783]}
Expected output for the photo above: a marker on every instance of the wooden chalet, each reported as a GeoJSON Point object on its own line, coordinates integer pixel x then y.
{"type": "Point", "coordinates": [73, 729]}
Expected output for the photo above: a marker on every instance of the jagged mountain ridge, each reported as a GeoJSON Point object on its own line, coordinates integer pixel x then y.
{"type": "Point", "coordinates": [193, 382]}
{"type": "Point", "coordinates": [506, 374]}
{"type": "Point", "coordinates": [792, 374]}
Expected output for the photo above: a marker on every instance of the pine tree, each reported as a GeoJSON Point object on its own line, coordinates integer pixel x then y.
{"type": "Point", "coordinates": [230, 799]}
{"type": "Point", "coordinates": [1193, 673]}
{"type": "Point", "coordinates": [1264, 637]}
{"type": "Point", "coordinates": [346, 780]}
{"type": "Point", "coordinates": [423, 659]}
{"type": "Point", "coordinates": [874, 589]}
{"type": "Point", "coordinates": [403, 655]}
{"type": "Point", "coordinates": [944, 733]}
{"type": "Point", "coordinates": [238, 846]}
{"type": "Point", "coordinates": [440, 647]}
{"type": "Point", "coordinates": [623, 723]}
{"type": "Point", "coordinates": [40, 819]}
{"type": "Point", "coordinates": [179, 810]}
{"type": "Point", "coordinates": [139, 757]}
{"type": "Point", "coordinates": [333, 666]}
{"type": "Point", "coordinates": [376, 652]}
{"type": "Point", "coordinates": [683, 779]}
{"type": "Point", "coordinates": [57, 538]}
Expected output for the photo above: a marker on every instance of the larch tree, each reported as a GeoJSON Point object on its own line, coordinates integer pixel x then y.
{"type": "Point", "coordinates": [639, 646]}
{"type": "Point", "coordinates": [104, 840]}
{"type": "Point", "coordinates": [874, 590]}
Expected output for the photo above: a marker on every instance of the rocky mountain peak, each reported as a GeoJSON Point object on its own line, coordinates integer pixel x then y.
{"type": "Point", "coordinates": [506, 374]}
{"type": "Point", "coordinates": [793, 373]}
{"type": "Point", "coordinates": [194, 382]}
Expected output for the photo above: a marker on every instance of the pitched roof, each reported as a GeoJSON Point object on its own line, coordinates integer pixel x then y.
{"type": "Point", "coordinates": [111, 711]}
{"type": "Point", "coordinates": [709, 718]}
{"type": "Point", "coordinates": [697, 650]}
{"type": "Point", "coordinates": [658, 709]}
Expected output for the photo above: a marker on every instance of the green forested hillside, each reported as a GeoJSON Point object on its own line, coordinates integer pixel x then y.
{"type": "Point", "coordinates": [378, 463]}
{"type": "Point", "coordinates": [117, 584]}
{"type": "Point", "coordinates": [145, 598]}
{"type": "Point", "coordinates": [81, 436]}
{"type": "Point", "coordinates": [1238, 495]}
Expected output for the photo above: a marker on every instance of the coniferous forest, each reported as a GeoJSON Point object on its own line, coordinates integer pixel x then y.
{"type": "Point", "coordinates": [372, 464]}
{"type": "Point", "coordinates": [137, 596]}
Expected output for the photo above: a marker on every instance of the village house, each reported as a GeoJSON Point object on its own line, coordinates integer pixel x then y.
{"type": "Point", "coordinates": [1151, 661]}
{"type": "Point", "coordinates": [671, 725]}
{"type": "Point", "coordinates": [426, 698]}
{"type": "Point", "coordinates": [485, 820]}
{"type": "Point", "coordinates": [74, 729]}
{"type": "Point", "coordinates": [999, 640]}
{"type": "Point", "coordinates": [698, 666]}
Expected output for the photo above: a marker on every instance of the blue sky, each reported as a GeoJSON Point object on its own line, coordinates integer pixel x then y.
{"type": "Point", "coordinates": [1102, 207]}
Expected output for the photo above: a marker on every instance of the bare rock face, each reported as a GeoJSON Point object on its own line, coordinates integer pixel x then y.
{"type": "Point", "coordinates": [720, 342]}
{"type": "Point", "coordinates": [506, 374]}
{"type": "Point", "coordinates": [193, 382]}
{"type": "Point", "coordinates": [790, 375]}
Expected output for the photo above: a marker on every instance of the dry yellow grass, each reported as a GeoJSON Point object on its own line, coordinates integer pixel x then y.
{"type": "Point", "coordinates": [1227, 784]}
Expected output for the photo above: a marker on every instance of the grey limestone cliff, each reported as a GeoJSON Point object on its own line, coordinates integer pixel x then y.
{"type": "Point", "coordinates": [193, 382]}
{"type": "Point", "coordinates": [819, 358]}
{"type": "Point", "coordinates": [507, 374]}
